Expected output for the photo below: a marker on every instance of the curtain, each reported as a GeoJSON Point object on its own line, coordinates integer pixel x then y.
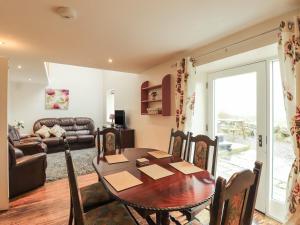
{"type": "Point", "coordinates": [289, 54]}
{"type": "Point", "coordinates": [183, 97]}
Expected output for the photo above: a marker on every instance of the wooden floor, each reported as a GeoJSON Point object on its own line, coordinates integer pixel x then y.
{"type": "Point", "coordinates": [49, 205]}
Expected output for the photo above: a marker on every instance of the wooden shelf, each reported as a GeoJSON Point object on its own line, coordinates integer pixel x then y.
{"type": "Point", "coordinates": [156, 100]}
{"type": "Point", "coordinates": [164, 101]}
{"type": "Point", "coordinates": [152, 114]}
{"type": "Point", "coordinates": [152, 87]}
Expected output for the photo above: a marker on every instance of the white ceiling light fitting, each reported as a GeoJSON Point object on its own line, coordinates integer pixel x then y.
{"type": "Point", "coordinates": [110, 60]}
{"type": "Point", "coordinates": [19, 67]}
{"type": "Point", "coordinates": [2, 43]}
{"type": "Point", "coordinates": [66, 12]}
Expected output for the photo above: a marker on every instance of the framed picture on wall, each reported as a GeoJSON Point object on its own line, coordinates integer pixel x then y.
{"type": "Point", "coordinates": [57, 99]}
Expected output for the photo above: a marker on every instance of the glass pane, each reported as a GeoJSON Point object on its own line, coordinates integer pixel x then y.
{"type": "Point", "coordinates": [235, 122]}
{"type": "Point", "coordinates": [282, 143]}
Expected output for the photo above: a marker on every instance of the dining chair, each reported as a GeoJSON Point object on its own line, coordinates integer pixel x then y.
{"type": "Point", "coordinates": [178, 144]}
{"type": "Point", "coordinates": [113, 213]}
{"type": "Point", "coordinates": [203, 148]}
{"type": "Point", "coordinates": [234, 201]}
{"type": "Point", "coordinates": [92, 195]}
{"type": "Point", "coordinates": [111, 141]}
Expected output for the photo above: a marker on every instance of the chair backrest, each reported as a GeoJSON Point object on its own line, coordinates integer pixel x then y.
{"type": "Point", "coordinates": [178, 143]}
{"type": "Point", "coordinates": [203, 147]}
{"type": "Point", "coordinates": [74, 191]}
{"type": "Point", "coordinates": [111, 141]}
{"type": "Point", "coordinates": [234, 201]}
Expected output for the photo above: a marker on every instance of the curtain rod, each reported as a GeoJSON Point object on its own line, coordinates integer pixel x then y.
{"type": "Point", "coordinates": [194, 59]}
{"type": "Point", "coordinates": [238, 42]}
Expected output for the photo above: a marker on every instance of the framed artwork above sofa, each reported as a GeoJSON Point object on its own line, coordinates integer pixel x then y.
{"type": "Point", "coordinates": [57, 98]}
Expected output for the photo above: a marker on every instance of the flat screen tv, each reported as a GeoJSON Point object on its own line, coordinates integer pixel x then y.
{"type": "Point", "coordinates": [120, 118]}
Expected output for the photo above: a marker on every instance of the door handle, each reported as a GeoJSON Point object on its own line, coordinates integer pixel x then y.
{"type": "Point", "coordinates": [260, 140]}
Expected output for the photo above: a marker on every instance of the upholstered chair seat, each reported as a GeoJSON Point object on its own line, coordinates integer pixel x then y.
{"type": "Point", "coordinates": [94, 195]}
{"type": "Point", "coordinates": [113, 213]}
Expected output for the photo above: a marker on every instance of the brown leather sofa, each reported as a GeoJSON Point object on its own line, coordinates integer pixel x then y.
{"type": "Point", "coordinates": [80, 133]}
{"type": "Point", "coordinates": [29, 144]}
{"type": "Point", "coordinates": [26, 172]}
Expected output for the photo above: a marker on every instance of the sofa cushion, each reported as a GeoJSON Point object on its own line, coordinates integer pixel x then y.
{"type": "Point", "coordinates": [82, 132]}
{"type": "Point", "coordinates": [57, 131]}
{"type": "Point", "coordinates": [44, 131]}
{"type": "Point", "coordinates": [72, 139]}
{"type": "Point", "coordinates": [53, 141]}
{"type": "Point", "coordinates": [67, 121]}
{"type": "Point", "coordinates": [85, 138]}
{"type": "Point", "coordinates": [71, 133]}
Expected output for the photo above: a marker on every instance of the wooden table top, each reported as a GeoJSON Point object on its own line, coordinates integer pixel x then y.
{"type": "Point", "coordinates": [175, 192]}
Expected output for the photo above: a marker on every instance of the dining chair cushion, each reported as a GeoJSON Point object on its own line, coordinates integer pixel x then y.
{"type": "Point", "coordinates": [94, 195]}
{"type": "Point", "coordinates": [113, 213]}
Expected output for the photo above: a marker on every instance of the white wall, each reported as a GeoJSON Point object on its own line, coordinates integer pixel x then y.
{"type": "Point", "coordinates": [127, 93]}
{"type": "Point", "coordinates": [27, 100]}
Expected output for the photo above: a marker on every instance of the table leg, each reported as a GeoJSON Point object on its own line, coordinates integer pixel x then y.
{"type": "Point", "coordinates": [163, 218]}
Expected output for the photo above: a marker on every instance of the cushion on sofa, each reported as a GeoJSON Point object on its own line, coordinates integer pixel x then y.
{"type": "Point", "coordinates": [70, 133]}
{"type": "Point", "coordinates": [57, 131]}
{"type": "Point", "coordinates": [85, 138]}
{"type": "Point", "coordinates": [82, 132]}
{"type": "Point", "coordinates": [53, 141]}
{"type": "Point", "coordinates": [72, 139]}
{"type": "Point", "coordinates": [44, 131]}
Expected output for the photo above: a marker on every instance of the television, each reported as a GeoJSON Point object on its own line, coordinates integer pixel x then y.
{"type": "Point", "coordinates": [120, 118]}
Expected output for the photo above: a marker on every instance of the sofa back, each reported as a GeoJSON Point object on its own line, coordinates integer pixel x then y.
{"type": "Point", "coordinates": [73, 126]}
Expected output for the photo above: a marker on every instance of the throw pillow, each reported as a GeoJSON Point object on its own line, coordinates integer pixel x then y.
{"type": "Point", "coordinates": [57, 131]}
{"type": "Point", "coordinates": [43, 132]}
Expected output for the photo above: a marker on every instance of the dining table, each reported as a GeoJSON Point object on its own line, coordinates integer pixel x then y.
{"type": "Point", "coordinates": [177, 192]}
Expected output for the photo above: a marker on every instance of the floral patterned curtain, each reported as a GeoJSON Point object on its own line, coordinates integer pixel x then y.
{"type": "Point", "coordinates": [289, 53]}
{"type": "Point", "coordinates": [184, 102]}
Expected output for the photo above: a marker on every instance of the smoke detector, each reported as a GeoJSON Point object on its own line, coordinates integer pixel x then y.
{"type": "Point", "coordinates": [66, 12]}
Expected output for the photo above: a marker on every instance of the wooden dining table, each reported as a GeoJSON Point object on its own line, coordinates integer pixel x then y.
{"type": "Point", "coordinates": [172, 193]}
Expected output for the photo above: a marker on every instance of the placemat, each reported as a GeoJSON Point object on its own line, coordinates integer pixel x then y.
{"type": "Point", "coordinates": [155, 171]}
{"type": "Point", "coordinates": [159, 154]}
{"type": "Point", "coordinates": [111, 159]}
{"type": "Point", "coordinates": [122, 180]}
{"type": "Point", "coordinates": [185, 167]}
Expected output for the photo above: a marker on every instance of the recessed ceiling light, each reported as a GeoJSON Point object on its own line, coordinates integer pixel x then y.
{"type": "Point", "coordinates": [110, 60]}
{"type": "Point", "coordinates": [29, 79]}
{"type": "Point", "coordinates": [19, 67]}
{"type": "Point", "coordinates": [2, 43]}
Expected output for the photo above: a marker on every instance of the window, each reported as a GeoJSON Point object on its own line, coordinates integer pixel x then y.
{"type": "Point", "coordinates": [110, 104]}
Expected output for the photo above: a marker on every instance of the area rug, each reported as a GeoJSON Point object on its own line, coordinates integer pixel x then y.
{"type": "Point", "coordinates": [82, 160]}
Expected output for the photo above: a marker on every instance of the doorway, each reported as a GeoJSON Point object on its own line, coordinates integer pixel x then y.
{"type": "Point", "coordinates": [246, 112]}
{"type": "Point", "coordinates": [238, 118]}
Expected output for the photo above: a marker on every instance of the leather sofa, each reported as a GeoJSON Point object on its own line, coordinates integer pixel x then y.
{"type": "Point", "coordinates": [26, 172]}
{"type": "Point", "coordinates": [29, 144]}
{"type": "Point", "coordinates": [80, 133]}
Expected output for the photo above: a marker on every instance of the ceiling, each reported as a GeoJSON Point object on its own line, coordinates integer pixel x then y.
{"type": "Point", "coordinates": [136, 34]}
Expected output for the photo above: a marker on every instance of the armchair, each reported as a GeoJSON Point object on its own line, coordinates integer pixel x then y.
{"type": "Point", "coordinates": [25, 172]}
{"type": "Point", "coordinates": [29, 144]}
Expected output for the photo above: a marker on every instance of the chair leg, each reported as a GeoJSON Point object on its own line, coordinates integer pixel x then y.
{"type": "Point", "coordinates": [71, 213]}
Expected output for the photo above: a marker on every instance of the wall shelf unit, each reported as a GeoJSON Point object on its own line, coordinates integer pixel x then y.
{"type": "Point", "coordinates": [156, 97]}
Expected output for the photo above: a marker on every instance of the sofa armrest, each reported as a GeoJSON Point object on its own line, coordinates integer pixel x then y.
{"type": "Point", "coordinates": [30, 148]}
{"type": "Point", "coordinates": [22, 136]}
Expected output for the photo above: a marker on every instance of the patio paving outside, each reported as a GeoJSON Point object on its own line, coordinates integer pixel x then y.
{"type": "Point", "coordinates": [230, 162]}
